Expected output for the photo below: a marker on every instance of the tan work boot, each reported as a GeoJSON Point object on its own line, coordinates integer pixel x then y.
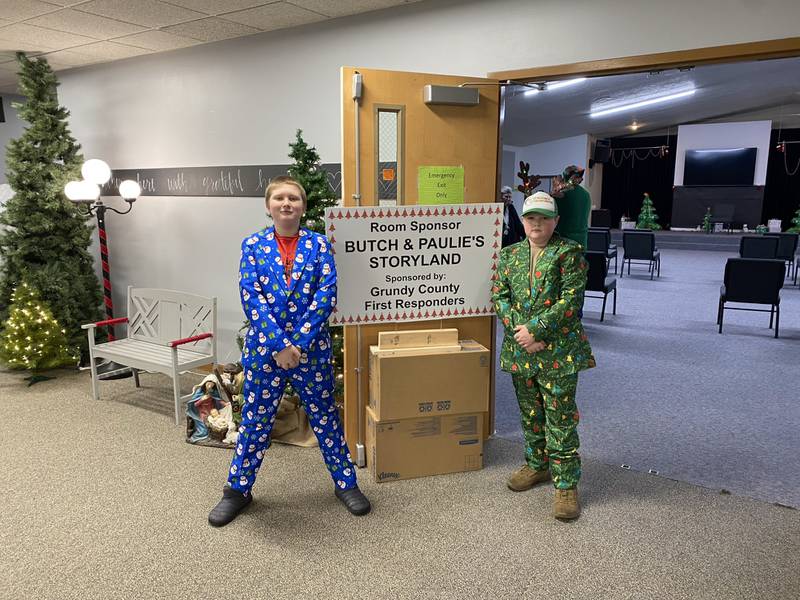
{"type": "Point", "coordinates": [566, 504]}
{"type": "Point", "coordinates": [525, 478]}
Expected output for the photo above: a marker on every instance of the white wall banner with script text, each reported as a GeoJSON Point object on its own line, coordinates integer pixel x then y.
{"type": "Point", "coordinates": [412, 263]}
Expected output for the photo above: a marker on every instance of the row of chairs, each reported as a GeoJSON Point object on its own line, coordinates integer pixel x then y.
{"type": "Point", "coordinates": [781, 246]}
{"type": "Point", "coordinates": [748, 279]}
{"type": "Point", "coordinates": [637, 246]}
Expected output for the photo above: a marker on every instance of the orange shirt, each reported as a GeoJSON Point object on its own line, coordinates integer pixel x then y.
{"type": "Point", "coordinates": [287, 246]}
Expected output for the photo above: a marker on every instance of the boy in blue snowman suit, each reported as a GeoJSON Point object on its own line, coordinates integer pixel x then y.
{"type": "Point", "coordinates": [287, 280]}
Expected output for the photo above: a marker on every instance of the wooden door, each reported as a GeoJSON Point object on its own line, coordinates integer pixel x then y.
{"type": "Point", "coordinates": [438, 135]}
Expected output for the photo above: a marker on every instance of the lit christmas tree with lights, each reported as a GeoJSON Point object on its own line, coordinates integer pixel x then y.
{"type": "Point", "coordinates": [32, 338]}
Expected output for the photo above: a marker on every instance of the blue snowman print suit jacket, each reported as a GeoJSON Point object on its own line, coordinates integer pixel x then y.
{"type": "Point", "coordinates": [296, 313]}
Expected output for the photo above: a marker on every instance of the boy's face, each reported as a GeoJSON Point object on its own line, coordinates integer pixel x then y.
{"type": "Point", "coordinates": [285, 206]}
{"type": "Point", "coordinates": [539, 228]}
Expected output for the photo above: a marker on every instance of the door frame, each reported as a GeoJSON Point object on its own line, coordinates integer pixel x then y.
{"type": "Point", "coordinates": [731, 53]}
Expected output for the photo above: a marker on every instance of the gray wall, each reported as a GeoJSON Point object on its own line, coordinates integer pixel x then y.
{"type": "Point", "coordinates": [9, 130]}
{"type": "Point", "coordinates": [240, 101]}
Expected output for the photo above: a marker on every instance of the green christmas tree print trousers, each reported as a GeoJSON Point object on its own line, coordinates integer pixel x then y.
{"type": "Point", "coordinates": [550, 424]}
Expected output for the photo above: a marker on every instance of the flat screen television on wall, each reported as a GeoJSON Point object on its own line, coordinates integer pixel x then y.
{"type": "Point", "coordinates": [721, 166]}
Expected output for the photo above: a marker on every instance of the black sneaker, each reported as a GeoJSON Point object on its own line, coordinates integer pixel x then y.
{"type": "Point", "coordinates": [355, 501]}
{"type": "Point", "coordinates": [233, 502]}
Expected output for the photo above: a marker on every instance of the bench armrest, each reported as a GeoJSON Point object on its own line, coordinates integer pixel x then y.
{"type": "Point", "coordinates": [188, 340]}
{"type": "Point", "coordinates": [106, 322]}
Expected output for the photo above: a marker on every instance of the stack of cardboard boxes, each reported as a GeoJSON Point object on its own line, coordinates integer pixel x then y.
{"type": "Point", "coordinates": [428, 394]}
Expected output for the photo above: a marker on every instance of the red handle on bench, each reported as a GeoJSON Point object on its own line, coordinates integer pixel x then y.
{"type": "Point", "coordinates": [195, 338]}
{"type": "Point", "coordinates": [111, 321]}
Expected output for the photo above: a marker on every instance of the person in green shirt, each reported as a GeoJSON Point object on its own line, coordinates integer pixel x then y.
{"type": "Point", "coordinates": [537, 293]}
{"type": "Point", "coordinates": [574, 205]}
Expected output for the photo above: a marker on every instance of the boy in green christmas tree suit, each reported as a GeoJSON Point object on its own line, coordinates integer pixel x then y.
{"type": "Point", "coordinates": [537, 294]}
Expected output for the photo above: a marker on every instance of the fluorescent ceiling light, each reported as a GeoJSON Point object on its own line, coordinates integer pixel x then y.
{"type": "Point", "coordinates": [648, 102]}
{"type": "Point", "coordinates": [560, 84]}
{"type": "Point", "coordinates": [547, 86]}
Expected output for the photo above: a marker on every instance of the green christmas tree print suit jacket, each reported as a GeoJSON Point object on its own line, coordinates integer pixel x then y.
{"type": "Point", "coordinates": [549, 308]}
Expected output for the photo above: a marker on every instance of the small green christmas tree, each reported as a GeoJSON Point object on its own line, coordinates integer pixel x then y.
{"type": "Point", "coordinates": [707, 224]}
{"type": "Point", "coordinates": [307, 169]}
{"type": "Point", "coordinates": [795, 228]}
{"type": "Point", "coordinates": [32, 338]}
{"type": "Point", "coordinates": [46, 240]}
{"type": "Point", "coordinates": [648, 216]}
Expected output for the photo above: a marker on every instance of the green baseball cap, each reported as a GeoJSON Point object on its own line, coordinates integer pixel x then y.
{"type": "Point", "coordinates": [540, 203]}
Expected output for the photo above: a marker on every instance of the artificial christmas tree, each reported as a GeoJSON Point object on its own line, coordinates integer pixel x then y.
{"type": "Point", "coordinates": [32, 339]}
{"type": "Point", "coordinates": [648, 216]}
{"type": "Point", "coordinates": [795, 228]}
{"type": "Point", "coordinates": [307, 169]}
{"type": "Point", "coordinates": [45, 240]}
{"type": "Point", "coordinates": [707, 224]}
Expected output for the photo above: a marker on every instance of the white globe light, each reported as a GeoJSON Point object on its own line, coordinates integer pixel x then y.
{"type": "Point", "coordinates": [73, 190]}
{"type": "Point", "coordinates": [82, 191]}
{"type": "Point", "coordinates": [91, 191]}
{"type": "Point", "coordinates": [96, 171]}
{"type": "Point", "coordinates": [129, 189]}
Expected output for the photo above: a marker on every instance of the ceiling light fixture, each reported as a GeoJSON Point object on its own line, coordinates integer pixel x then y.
{"type": "Point", "coordinates": [554, 85]}
{"type": "Point", "coordinates": [648, 102]}
{"type": "Point", "coordinates": [567, 82]}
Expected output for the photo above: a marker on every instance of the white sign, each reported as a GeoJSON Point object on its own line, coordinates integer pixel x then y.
{"type": "Point", "coordinates": [412, 263]}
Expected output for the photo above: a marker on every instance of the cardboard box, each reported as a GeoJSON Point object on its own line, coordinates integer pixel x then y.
{"type": "Point", "coordinates": [408, 383]}
{"type": "Point", "coordinates": [408, 448]}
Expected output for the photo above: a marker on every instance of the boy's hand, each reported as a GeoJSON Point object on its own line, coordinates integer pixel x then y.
{"type": "Point", "coordinates": [526, 340]}
{"type": "Point", "coordinates": [288, 358]}
{"type": "Point", "coordinates": [522, 336]}
{"type": "Point", "coordinates": [535, 347]}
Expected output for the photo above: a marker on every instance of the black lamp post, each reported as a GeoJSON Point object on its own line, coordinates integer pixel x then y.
{"type": "Point", "coordinates": [87, 193]}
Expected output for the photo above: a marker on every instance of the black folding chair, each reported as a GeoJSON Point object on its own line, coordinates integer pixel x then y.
{"type": "Point", "coordinates": [758, 246]}
{"type": "Point", "coordinates": [599, 240]}
{"type": "Point", "coordinates": [787, 248]}
{"type": "Point", "coordinates": [598, 280]}
{"type": "Point", "coordinates": [640, 246]}
{"type": "Point", "coordinates": [752, 281]}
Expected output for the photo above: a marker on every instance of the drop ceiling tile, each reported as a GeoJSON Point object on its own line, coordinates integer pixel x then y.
{"type": "Point", "coordinates": [66, 3]}
{"type": "Point", "coordinates": [211, 30]}
{"type": "Point", "coordinates": [157, 40]}
{"type": "Point", "coordinates": [274, 16]}
{"type": "Point", "coordinates": [94, 26]}
{"type": "Point", "coordinates": [150, 13]}
{"type": "Point", "coordinates": [217, 7]}
{"type": "Point", "coordinates": [348, 7]}
{"type": "Point", "coordinates": [64, 59]}
{"type": "Point", "coordinates": [22, 33]}
{"type": "Point", "coordinates": [19, 10]}
{"type": "Point", "coordinates": [107, 51]}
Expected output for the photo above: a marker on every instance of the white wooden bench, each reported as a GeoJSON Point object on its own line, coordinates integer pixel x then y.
{"type": "Point", "coordinates": [168, 332]}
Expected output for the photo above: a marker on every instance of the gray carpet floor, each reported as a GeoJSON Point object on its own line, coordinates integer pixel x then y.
{"type": "Point", "coordinates": [105, 500]}
{"type": "Point", "coordinates": [672, 395]}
